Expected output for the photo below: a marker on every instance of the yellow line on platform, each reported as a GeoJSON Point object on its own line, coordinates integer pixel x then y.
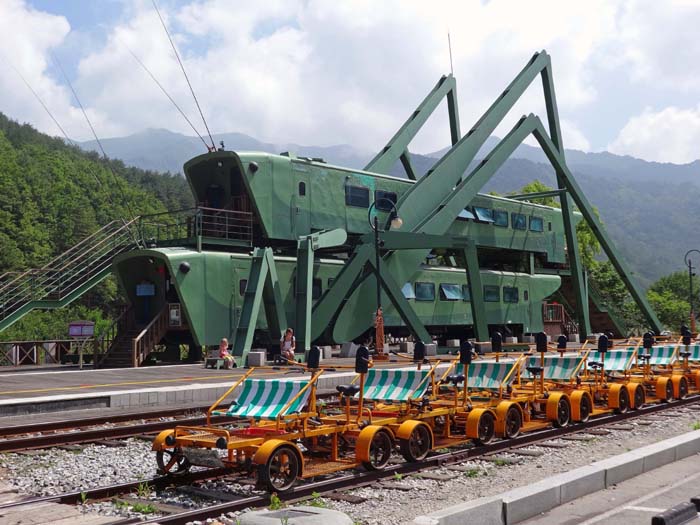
{"type": "Point", "coordinates": [125, 383]}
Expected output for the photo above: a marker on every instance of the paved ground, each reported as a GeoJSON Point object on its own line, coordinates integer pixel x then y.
{"type": "Point", "coordinates": [22, 384]}
{"type": "Point", "coordinates": [631, 502]}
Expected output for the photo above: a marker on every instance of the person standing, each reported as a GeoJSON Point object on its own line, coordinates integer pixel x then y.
{"type": "Point", "coordinates": [288, 345]}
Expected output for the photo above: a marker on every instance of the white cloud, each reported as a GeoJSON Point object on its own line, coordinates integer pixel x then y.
{"type": "Point", "coordinates": [318, 72]}
{"type": "Point", "coordinates": [669, 135]}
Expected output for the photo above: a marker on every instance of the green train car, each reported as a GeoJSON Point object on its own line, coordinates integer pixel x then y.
{"type": "Point", "coordinates": [211, 291]}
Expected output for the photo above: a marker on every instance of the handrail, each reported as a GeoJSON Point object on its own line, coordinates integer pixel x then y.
{"type": "Point", "coordinates": [159, 322]}
{"type": "Point", "coordinates": [312, 382]}
{"type": "Point", "coordinates": [110, 335]}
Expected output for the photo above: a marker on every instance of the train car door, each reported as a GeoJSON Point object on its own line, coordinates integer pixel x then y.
{"type": "Point", "coordinates": [301, 203]}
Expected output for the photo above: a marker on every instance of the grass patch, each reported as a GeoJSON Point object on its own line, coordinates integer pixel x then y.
{"type": "Point", "coordinates": [696, 425]}
{"type": "Point", "coordinates": [275, 502]}
{"type": "Point", "coordinates": [472, 473]}
{"type": "Point", "coordinates": [316, 501]}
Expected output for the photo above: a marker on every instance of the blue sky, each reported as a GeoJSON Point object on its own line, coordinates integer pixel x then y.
{"type": "Point", "coordinates": [318, 72]}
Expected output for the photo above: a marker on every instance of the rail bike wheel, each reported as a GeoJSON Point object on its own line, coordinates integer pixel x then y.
{"type": "Point", "coordinates": [486, 428]}
{"type": "Point", "coordinates": [682, 388]}
{"type": "Point", "coordinates": [585, 409]}
{"type": "Point", "coordinates": [380, 449]}
{"type": "Point", "coordinates": [281, 470]}
{"type": "Point", "coordinates": [664, 388]}
{"type": "Point", "coordinates": [172, 462]}
{"type": "Point", "coordinates": [513, 423]}
{"type": "Point", "coordinates": [623, 402]}
{"type": "Point", "coordinates": [640, 397]}
{"type": "Point", "coordinates": [418, 444]}
{"type": "Point", "coordinates": [563, 417]}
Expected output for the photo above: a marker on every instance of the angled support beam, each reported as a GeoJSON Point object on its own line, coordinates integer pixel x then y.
{"type": "Point", "coordinates": [585, 208]}
{"type": "Point", "coordinates": [402, 306]}
{"type": "Point", "coordinates": [577, 278]}
{"type": "Point", "coordinates": [407, 165]}
{"type": "Point", "coordinates": [476, 293]}
{"type": "Point", "coordinates": [272, 297]}
{"type": "Point", "coordinates": [385, 160]}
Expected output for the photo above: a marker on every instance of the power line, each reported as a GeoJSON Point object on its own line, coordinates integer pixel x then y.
{"type": "Point", "coordinates": [94, 134]}
{"type": "Point", "coordinates": [166, 93]}
{"type": "Point", "coordinates": [36, 95]}
{"type": "Point", "coordinates": [177, 55]}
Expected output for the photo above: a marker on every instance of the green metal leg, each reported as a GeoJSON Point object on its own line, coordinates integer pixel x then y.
{"type": "Point", "coordinates": [476, 293]}
{"type": "Point", "coordinates": [304, 287]}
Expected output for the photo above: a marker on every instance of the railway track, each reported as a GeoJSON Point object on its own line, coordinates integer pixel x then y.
{"type": "Point", "coordinates": [340, 482]}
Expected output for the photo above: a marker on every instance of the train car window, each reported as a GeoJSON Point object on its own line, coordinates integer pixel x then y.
{"type": "Point", "coordinates": [302, 189]}
{"type": "Point", "coordinates": [500, 218]}
{"type": "Point", "coordinates": [425, 291]}
{"type": "Point", "coordinates": [450, 292]}
{"type": "Point", "coordinates": [536, 224]}
{"type": "Point", "coordinates": [407, 291]}
{"type": "Point", "coordinates": [550, 226]}
{"type": "Point", "coordinates": [510, 294]}
{"type": "Point", "coordinates": [465, 215]}
{"type": "Point", "coordinates": [519, 221]}
{"type": "Point", "coordinates": [484, 214]}
{"type": "Point", "coordinates": [357, 196]}
{"type": "Point", "coordinates": [384, 199]}
{"type": "Point", "coordinates": [492, 294]}
{"type": "Point", "coordinates": [526, 295]}
{"type": "Point", "coordinates": [466, 294]}
{"type": "Point", "coordinates": [316, 289]}
{"type": "Point", "coordinates": [241, 286]}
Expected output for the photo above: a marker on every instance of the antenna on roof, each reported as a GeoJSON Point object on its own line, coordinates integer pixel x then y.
{"type": "Point", "coordinates": [449, 46]}
{"type": "Point", "coordinates": [182, 67]}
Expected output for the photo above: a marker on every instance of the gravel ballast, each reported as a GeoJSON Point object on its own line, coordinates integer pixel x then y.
{"type": "Point", "coordinates": [55, 471]}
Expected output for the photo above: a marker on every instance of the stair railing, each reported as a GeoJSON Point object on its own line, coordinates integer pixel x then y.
{"type": "Point", "coordinates": [106, 342]}
{"type": "Point", "coordinates": [150, 336]}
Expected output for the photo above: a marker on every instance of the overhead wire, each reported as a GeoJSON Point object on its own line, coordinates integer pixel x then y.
{"type": "Point", "coordinates": [46, 108]}
{"type": "Point", "coordinates": [182, 67]}
{"type": "Point", "coordinates": [117, 180]}
{"type": "Point", "coordinates": [140, 62]}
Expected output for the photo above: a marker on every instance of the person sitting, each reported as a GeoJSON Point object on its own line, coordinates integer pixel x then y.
{"type": "Point", "coordinates": [223, 353]}
{"type": "Point", "coordinates": [288, 344]}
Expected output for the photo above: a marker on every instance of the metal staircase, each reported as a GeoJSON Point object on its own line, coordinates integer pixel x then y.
{"type": "Point", "coordinates": [67, 276]}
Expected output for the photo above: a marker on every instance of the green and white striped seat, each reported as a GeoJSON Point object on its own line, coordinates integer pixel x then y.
{"type": "Point", "coordinates": [694, 350]}
{"type": "Point", "coordinates": [662, 355]}
{"type": "Point", "coordinates": [556, 367]}
{"type": "Point", "coordinates": [490, 375]}
{"type": "Point", "coordinates": [265, 398]}
{"type": "Point", "coordinates": [395, 384]}
{"type": "Point", "coordinates": [615, 360]}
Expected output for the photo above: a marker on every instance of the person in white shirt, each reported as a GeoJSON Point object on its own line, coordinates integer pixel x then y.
{"type": "Point", "coordinates": [288, 344]}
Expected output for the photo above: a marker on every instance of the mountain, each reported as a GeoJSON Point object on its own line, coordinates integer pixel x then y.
{"type": "Point", "coordinates": [648, 208]}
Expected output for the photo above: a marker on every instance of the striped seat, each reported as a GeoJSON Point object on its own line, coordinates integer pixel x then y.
{"type": "Point", "coordinates": [490, 375]}
{"type": "Point", "coordinates": [615, 360]}
{"type": "Point", "coordinates": [395, 384]}
{"type": "Point", "coordinates": [266, 399]}
{"type": "Point", "coordinates": [663, 355]}
{"type": "Point", "coordinates": [556, 367]}
{"type": "Point", "coordinates": [694, 350]}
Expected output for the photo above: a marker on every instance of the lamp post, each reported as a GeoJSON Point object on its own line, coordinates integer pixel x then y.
{"type": "Point", "coordinates": [396, 223]}
{"type": "Point", "coordinates": [689, 264]}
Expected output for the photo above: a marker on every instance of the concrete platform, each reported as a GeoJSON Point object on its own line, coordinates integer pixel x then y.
{"type": "Point", "coordinates": [43, 391]}
{"type": "Point", "coordinates": [556, 492]}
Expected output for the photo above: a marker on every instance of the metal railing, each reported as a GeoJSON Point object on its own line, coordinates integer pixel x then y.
{"type": "Point", "coordinates": [107, 340]}
{"type": "Point", "coordinates": [20, 353]}
{"type": "Point", "coordinates": [556, 313]}
{"type": "Point", "coordinates": [66, 273]}
{"type": "Point", "coordinates": [200, 222]}
{"type": "Point", "coordinates": [149, 337]}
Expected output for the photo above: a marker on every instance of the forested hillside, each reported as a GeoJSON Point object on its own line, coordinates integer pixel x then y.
{"type": "Point", "coordinates": [53, 195]}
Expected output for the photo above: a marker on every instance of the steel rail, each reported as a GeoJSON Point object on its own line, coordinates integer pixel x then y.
{"type": "Point", "coordinates": [341, 482]}
{"type": "Point", "coordinates": [359, 479]}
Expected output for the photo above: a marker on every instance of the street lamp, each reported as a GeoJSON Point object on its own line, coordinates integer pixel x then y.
{"type": "Point", "coordinates": [689, 264]}
{"type": "Point", "coordinates": [396, 223]}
